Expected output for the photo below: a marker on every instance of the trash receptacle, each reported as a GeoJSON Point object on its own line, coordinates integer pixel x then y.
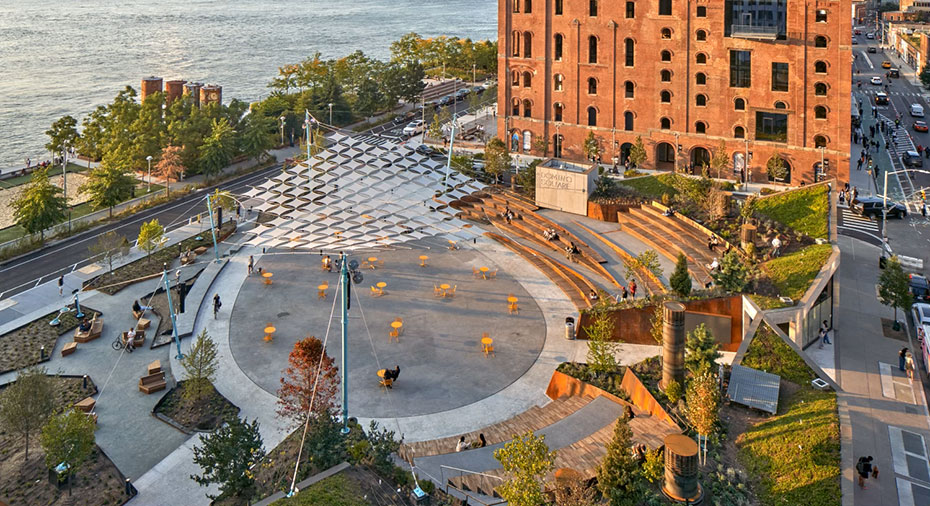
{"type": "Point", "coordinates": [569, 328]}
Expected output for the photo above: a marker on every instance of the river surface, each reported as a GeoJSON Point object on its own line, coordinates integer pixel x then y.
{"type": "Point", "coordinates": [68, 56]}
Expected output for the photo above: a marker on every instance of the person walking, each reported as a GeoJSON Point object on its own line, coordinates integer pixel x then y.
{"type": "Point", "coordinates": [217, 304]}
{"type": "Point", "coordinates": [826, 332]}
{"type": "Point", "coordinates": [251, 264]}
{"type": "Point", "coordinates": [864, 468]}
{"type": "Point", "coordinates": [632, 289]}
{"type": "Point", "coordinates": [61, 285]}
{"type": "Point", "coordinates": [901, 355]}
{"type": "Point", "coordinates": [909, 365]}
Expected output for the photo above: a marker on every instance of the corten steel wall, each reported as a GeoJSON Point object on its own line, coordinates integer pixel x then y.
{"type": "Point", "coordinates": [149, 86]}
{"type": "Point", "coordinates": [634, 325]}
{"type": "Point", "coordinates": [611, 28]}
{"type": "Point", "coordinates": [174, 90]}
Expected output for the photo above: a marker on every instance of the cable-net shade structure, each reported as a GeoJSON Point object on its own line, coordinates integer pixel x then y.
{"type": "Point", "coordinates": [355, 195]}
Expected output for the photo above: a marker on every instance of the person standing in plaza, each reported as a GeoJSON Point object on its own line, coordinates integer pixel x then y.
{"type": "Point", "coordinates": [632, 289]}
{"type": "Point", "coordinates": [251, 264]}
{"type": "Point", "coordinates": [864, 468]}
{"type": "Point", "coordinates": [901, 355]}
{"type": "Point", "coordinates": [61, 285]}
{"type": "Point", "coordinates": [909, 365]}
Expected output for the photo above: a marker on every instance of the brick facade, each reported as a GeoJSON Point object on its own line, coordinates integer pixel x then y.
{"type": "Point", "coordinates": [697, 71]}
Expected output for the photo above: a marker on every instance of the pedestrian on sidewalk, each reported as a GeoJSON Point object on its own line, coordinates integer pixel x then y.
{"type": "Point", "coordinates": [901, 355]}
{"type": "Point", "coordinates": [859, 164]}
{"type": "Point", "coordinates": [826, 333]}
{"type": "Point", "coordinates": [632, 289]}
{"type": "Point", "coordinates": [864, 468]}
{"type": "Point", "coordinates": [251, 264]}
{"type": "Point", "coordinates": [61, 285]}
{"type": "Point", "coordinates": [909, 365]}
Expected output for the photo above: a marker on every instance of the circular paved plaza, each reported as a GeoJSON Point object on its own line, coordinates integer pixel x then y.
{"type": "Point", "coordinates": [439, 349]}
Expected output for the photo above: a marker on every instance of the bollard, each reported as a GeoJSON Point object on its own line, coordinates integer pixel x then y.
{"type": "Point", "coordinates": [84, 384]}
{"type": "Point", "coordinates": [42, 353]}
{"type": "Point", "coordinates": [128, 487]}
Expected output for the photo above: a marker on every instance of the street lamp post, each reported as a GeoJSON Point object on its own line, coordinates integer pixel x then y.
{"type": "Point", "coordinates": [474, 80]}
{"type": "Point", "coordinates": [282, 118]}
{"type": "Point", "coordinates": [330, 113]}
{"type": "Point", "coordinates": [149, 159]}
{"type": "Point", "coordinates": [823, 170]}
{"type": "Point", "coordinates": [64, 180]}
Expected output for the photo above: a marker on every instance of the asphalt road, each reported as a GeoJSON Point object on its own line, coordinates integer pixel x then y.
{"type": "Point", "coordinates": [59, 258]}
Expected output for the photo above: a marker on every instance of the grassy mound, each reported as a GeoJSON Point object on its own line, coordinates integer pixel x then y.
{"type": "Point", "coordinates": [769, 353]}
{"type": "Point", "coordinates": [792, 274]}
{"type": "Point", "coordinates": [804, 209]}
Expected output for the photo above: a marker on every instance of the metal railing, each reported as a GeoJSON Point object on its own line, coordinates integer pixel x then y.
{"type": "Point", "coordinates": [754, 31]}
{"type": "Point", "coordinates": [468, 495]}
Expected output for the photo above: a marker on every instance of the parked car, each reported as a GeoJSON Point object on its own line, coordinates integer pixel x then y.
{"type": "Point", "coordinates": [462, 94]}
{"type": "Point", "coordinates": [877, 81]}
{"type": "Point", "coordinates": [414, 127]}
{"type": "Point", "coordinates": [872, 206]}
{"type": "Point", "coordinates": [872, 49]}
{"type": "Point", "coordinates": [446, 100]}
{"type": "Point", "coordinates": [912, 159]}
{"type": "Point", "coordinates": [881, 98]}
{"type": "Point", "coordinates": [920, 126]}
{"type": "Point", "coordinates": [478, 90]}
{"type": "Point", "coordinates": [917, 110]}
{"type": "Point", "coordinates": [858, 32]}
{"type": "Point", "coordinates": [921, 313]}
{"type": "Point", "coordinates": [920, 287]}
{"type": "Point", "coordinates": [886, 64]}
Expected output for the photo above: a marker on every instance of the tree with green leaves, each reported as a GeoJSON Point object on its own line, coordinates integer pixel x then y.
{"type": "Point", "coordinates": [94, 136]}
{"type": "Point", "coordinates": [26, 404]}
{"type": "Point", "coordinates": [602, 348]}
{"type": "Point", "coordinates": [257, 137]}
{"type": "Point", "coordinates": [151, 236]}
{"type": "Point", "coordinates": [638, 152]}
{"type": "Point", "coordinates": [62, 133]}
{"type": "Point", "coordinates": [40, 205]}
{"type": "Point", "coordinates": [68, 438]}
{"type": "Point", "coordinates": [170, 166]}
{"type": "Point", "coordinates": [149, 131]}
{"type": "Point", "coordinates": [775, 168]}
{"type": "Point", "coordinates": [526, 459]}
{"type": "Point", "coordinates": [702, 399]}
{"type": "Point", "coordinates": [749, 208]}
{"type": "Point", "coordinates": [732, 275]}
{"type": "Point", "coordinates": [719, 159]}
{"type": "Point", "coordinates": [591, 146]}
{"type": "Point", "coordinates": [217, 149]}
{"type": "Point", "coordinates": [925, 76]}
{"type": "Point", "coordinates": [111, 246]}
{"type": "Point", "coordinates": [701, 350]}
{"type": "Point", "coordinates": [527, 178]}
{"type": "Point", "coordinates": [227, 456]}
{"type": "Point", "coordinates": [616, 476]}
{"type": "Point", "coordinates": [497, 159]}
{"type": "Point", "coordinates": [647, 260]}
{"type": "Point", "coordinates": [680, 281]}
{"type": "Point", "coordinates": [222, 201]}
{"type": "Point", "coordinates": [656, 324]}
{"type": "Point", "coordinates": [200, 365]}
{"type": "Point", "coordinates": [894, 287]}
{"type": "Point", "coordinates": [108, 185]}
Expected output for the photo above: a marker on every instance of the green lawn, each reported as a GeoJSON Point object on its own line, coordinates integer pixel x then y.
{"type": "Point", "coordinates": [769, 353]}
{"type": "Point", "coordinates": [804, 210]}
{"type": "Point", "coordinates": [54, 171]}
{"type": "Point", "coordinates": [333, 491]}
{"type": "Point", "coordinates": [653, 187]}
{"type": "Point", "coordinates": [793, 273]}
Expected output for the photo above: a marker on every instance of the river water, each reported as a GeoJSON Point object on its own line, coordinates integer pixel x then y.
{"type": "Point", "coordinates": [62, 57]}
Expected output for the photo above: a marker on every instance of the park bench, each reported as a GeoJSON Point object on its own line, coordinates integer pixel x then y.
{"type": "Point", "coordinates": [155, 367]}
{"type": "Point", "coordinates": [86, 405]}
{"type": "Point", "coordinates": [137, 314]}
{"type": "Point", "coordinates": [138, 341]}
{"type": "Point", "coordinates": [200, 250]}
{"type": "Point", "coordinates": [68, 349]}
{"type": "Point", "coordinates": [96, 328]}
{"type": "Point", "coordinates": [152, 383]}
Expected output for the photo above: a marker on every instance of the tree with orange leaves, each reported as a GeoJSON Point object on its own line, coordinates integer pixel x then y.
{"type": "Point", "coordinates": [311, 374]}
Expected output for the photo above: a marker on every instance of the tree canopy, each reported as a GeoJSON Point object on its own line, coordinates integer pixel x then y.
{"type": "Point", "coordinates": [311, 374]}
{"type": "Point", "coordinates": [40, 205]}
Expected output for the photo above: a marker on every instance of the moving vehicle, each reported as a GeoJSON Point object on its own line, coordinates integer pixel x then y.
{"type": "Point", "coordinates": [478, 90]}
{"type": "Point", "coordinates": [446, 100]}
{"type": "Point", "coordinates": [921, 314]}
{"type": "Point", "coordinates": [414, 127]}
{"type": "Point", "coordinates": [917, 110]}
{"type": "Point", "coordinates": [886, 64]}
{"type": "Point", "coordinates": [881, 98]}
{"type": "Point", "coordinates": [462, 94]}
{"type": "Point", "coordinates": [920, 126]}
{"type": "Point", "coordinates": [895, 73]}
{"type": "Point", "coordinates": [858, 31]}
{"type": "Point", "coordinates": [877, 81]}
{"type": "Point", "coordinates": [873, 50]}
{"type": "Point", "coordinates": [912, 159]}
{"type": "Point", "coordinates": [870, 35]}
{"type": "Point", "coordinates": [920, 287]}
{"type": "Point", "coordinates": [872, 206]}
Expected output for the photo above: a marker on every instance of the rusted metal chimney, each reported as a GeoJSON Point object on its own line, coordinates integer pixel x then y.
{"type": "Point", "coordinates": [681, 470]}
{"type": "Point", "coordinates": [673, 343]}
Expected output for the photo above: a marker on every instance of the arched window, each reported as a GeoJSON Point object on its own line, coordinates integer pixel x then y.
{"type": "Point", "coordinates": [820, 112]}
{"type": "Point", "coordinates": [628, 121]}
{"type": "Point", "coordinates": [592, 49]}
{"type": "Point", "coordinates": [739, 104]}
{"type": "Point", "coordinates": [515, 43]}
{"type": "Point", "coordinates": [739, 132]}
{"type": "Point", "coordinates": [665, 76]}
{"type": "Point", "coordinates": [666, 33]}
{"type": "Point", "coordinates": [557, 112]}
{"type": "Point", "coordinates": [557, 47]}
{"type": "Point", "coordinates": [820, 141]}
{"type": "Point", "coordinates": [820, 41]}
{"type": "Point", "coordinates": [558, 7]}
{"type": "Point", "coordinates": [592, 86]}
{"type": "Point", "coordinates": [527, 79]}
{"type": "Point", "coordinates": [557, 81]}
{"type": "Point", "coordinates": [701, 59]}
{"type": "Point", "coordinates": [527, 108]}
{"type": "Point", "coordinates": [701, 35]}
{"type": "Point", "coordinates": [592, 7]}
{"type": "Point", "coordinates": [665, 123]}
{"type": "Point", "coordinates": [820, 89]}
{"type": "Point", "coordinates": [700, 100]}
{"type": "Point", "coordinates": [515, 107]}
{"type": "Point", "coordinates": [700, 78]}
{"type": "Point", "coordinates": [527, 141]}
{"type": "Point", "coordinates": [515, 78]}
{"type": "Point", "coordinates": [700, 127]}
{"type": "Point", "coordinates": [781, 105]}
{"type": "Point", "coordinates": [592, 116]}
{"type": "Point", "coordinates": [666, 56]}
{"type": "Point", "coordinates": [665, 97]}
{"type": "Point", "coordinates": [628, 89]}
{"type": "Point", "coordinates": [820, 67]}
{"type": "Point", "coordinates": [628, 52]}
{"type": "Point", "coordinates": [820, 16]}
{"type": "Point", "coordinates": [527, 6]}
{"type": "Point", "coordinates": [527, 45]}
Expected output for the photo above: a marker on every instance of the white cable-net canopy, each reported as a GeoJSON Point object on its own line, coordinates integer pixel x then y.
{"type": "Point", "coordinates": [356, 194]}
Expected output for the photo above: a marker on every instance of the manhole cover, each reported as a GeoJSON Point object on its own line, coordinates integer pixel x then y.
{"type": "Point", "coordinates": [282, 315]}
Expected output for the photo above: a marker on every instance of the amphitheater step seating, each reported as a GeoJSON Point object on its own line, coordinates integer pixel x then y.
{"type": "Point", "coordinates": [442, 89]}
{"type": "Point", "coordinates": [575, 286]}
{"type": "Point", "coordinates": [652, 285]}
{"type": "Point", "coordinates": [661, 236]}
{"type": "Point", "coordinates": [480, 483]}
{"type": "Point", "coordinates": [698, 255]}
{"type": "Point", "coordinates": [533, 419]}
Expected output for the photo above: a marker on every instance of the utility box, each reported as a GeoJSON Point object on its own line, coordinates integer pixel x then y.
{"type": "Point", "coordinates": [419, 497]}
{"type": "Point", "coordinates": [565, 186]}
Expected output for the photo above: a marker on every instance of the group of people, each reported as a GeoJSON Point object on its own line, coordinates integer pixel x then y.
{"type": "Point", "coordinates": [462, 445]}
{"type": "Point", "coordinates": [550, 234]}
{"type": "Point", "coordinates": [824, 334]}
{"type": "Point", "coordinates": [392, 375]}
{"type": "Point", "coordinates": [848, 195]}
{"type": "Point", "coordinates": [571, 250]}
{"type": "Point", "coordinates": [627, 293]}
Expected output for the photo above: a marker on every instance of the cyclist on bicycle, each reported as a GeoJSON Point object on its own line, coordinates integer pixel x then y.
{"type": "Point", "coordinates": [216, 305]}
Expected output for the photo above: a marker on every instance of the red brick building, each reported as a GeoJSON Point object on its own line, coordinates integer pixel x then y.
{"type": "Point", "coordinates": [765, 77]}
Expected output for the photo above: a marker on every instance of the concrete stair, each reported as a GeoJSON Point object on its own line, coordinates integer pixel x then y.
{"type": "Point", "coordinates": [655, 230]}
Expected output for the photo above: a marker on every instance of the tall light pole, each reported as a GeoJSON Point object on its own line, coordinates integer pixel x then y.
{"type": "Point", "coordinates": [282, 118]}
{"type": "Point", "coordinates": [149, 159]}
{"type": "Point", "coordinates": [474, 80]}
{"type": "Point", "coordinates": [823, 169]}
{"type": "Point", "coordinates": [330, 113]}
{"type": "Point", "coordinates": [64, 179]}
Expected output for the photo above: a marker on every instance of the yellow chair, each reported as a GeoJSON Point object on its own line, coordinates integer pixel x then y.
{"type": "Point", "coordinates": [452, 293]}
{"type": "Point", "coordinates": [489, 350]}
{"type": "Point", "coordinates": [437, 291]}
{"type": "Point", "coordinates": [475, 272]}
{"type": "Point", "coordinates": [492, 274]}
{"type": "Point", "coordinates": [321, 294]}
{"type": "Point", "coordinates": [386, 383]}
{"type": "Point", "coordinates": [394, 335]}
{"type": "Point", "coordinates": [514, 308]}
{"type": "Point", "coordinates": [376, 292]}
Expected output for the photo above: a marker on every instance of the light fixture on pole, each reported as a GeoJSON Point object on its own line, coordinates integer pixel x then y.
{"type": "Point", "coordinates": [64, 179]}
{"type": "Point", "coordinates": [282, 129]}
{"type": "Point", "coordinates": [149, 159]}
{"type": "Point", "coordinates": [330, 113]}
{"type": "Point", "coordinates": [474, 80]}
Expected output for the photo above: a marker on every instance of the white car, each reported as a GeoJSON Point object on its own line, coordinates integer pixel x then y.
{"type": "Point", "coordinates": [917, 110]}
{"type": "Point", "coordinates": [921, 314]}
{"type": "Point", "coordinates": [870, 35]}
{"type": "Point", "coordinates": [414, 127]}
{"type": "Point", "coordinates": [877, 81]}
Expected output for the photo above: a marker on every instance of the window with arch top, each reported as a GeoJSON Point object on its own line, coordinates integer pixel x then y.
{"type": "Point", "coordinates": [557, 82]}
{"type": "Point", "coordinates": [592, 86]}
{"type": "Point", "coordinates": [739, 132]}
{"type": "Point", "coordinates": [739, 104]}
{"type": "Point", "coordinates": [665, 123]}
{"type": "Point", "coordinates": [515, 78]}
{"type": "Point", "coordinates": [527, 108]}
{"type": "Point", "coordinates": [665, 97]}
{"type": "Point", "coordinates": [701, 35]}
{"type": "Point", "coordinates": [781, 105]}
{"type": "Point", "coordinates": [665, 76]}
{"type": "Point", "coordinates": [628, 121]}
{"type": "Point", "coordinates": [700, 100]}
{"type": "Point", "coordinates": [527, 45]}
{"type": "Point", "coordinates": [700, 127]}
{"type": "Point", "coordinates": [592, 116]}
{"type": "Point", "coordinates": [820, 89]}
{"type": "Point", "coordinates": [557, 110]}
{"type": "Point", "coordinates": [666, 56]}
{"type": "Point", "coordinates": [701, 59]}
{"type": "Point", "coordinates": [527, 79]}
{"type": "Point", "coordinates": [820, 41]}
{"type": "Point", "coordinates": [700, 78]}
{"type": "Point", "coordinates": [628, 87]}
{"type": "Point", "coordinates": [666, 33]}
{"type": "Point", "coordinates": [820, 112]}
{"type": "Point", "coordinates": [592, 49]}
{"type": "Point", "coordinates": [820, 141]}
{"type": "Point", "coordinates": [820, 67]}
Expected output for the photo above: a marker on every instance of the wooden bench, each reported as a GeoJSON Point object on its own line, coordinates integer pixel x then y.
{"type": "Point", "coordinates": [86, 405]}
{"type": "Point", "coordinates": [143, 324]}
{"type": "Point", "coordinates": [188, 258]}
{"type": "Point", "coordinates": [96, 328]}
{"type": "Point", "coordinates": [138, 341]}
{"type": "Point", "coordinates": [155, 367]}
{"type": "Point", "coordinates": [152, 383]}
{"type": "Point", "coordinates": [137, 314]}
{"type": "Point", "coordinates": [201, 250]}
{"type": "Point", "coordinates": [68, 349]}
